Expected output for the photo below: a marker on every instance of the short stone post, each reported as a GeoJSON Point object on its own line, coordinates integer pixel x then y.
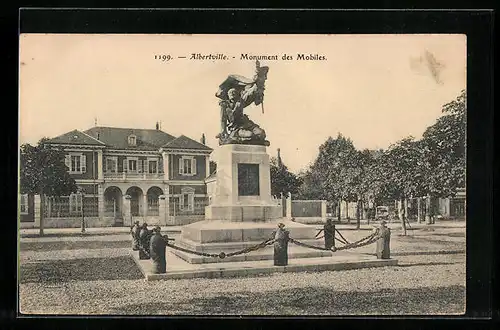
{"type": "Point", "coordinates": [127, 216]}
{"type": "Point", "coordinates": [383, 244]}
{"type": "Point", "coordinates": [281, 236]}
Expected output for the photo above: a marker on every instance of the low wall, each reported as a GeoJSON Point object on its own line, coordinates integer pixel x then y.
{"type": "Point", "coordinates": [181, 220]}
{"type": "Point", "coordinates": [309, 220]}
{"type": "Point", "coordinates": [77, 222]}
{"type": "Point", "coordinates": [308, 211]}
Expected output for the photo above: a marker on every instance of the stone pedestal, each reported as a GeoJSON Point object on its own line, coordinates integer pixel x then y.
{"type": "Point", "coordinates": [243, 186]}
{"type": "Point", "coordinates": [242, 213]}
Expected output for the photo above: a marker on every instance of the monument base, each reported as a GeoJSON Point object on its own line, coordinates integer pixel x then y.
{"type": "Point", "coordinates": [240, 213]}
{"type": "Point", "coordinates": [215, 236]}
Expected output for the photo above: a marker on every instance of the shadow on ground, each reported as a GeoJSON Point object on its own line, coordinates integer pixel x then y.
{"type": "Point", "coordinates": [72, 245]}
{"type": "Point", "coordinates": [90, 269]}
{"type": "Point", "coordinates": [314, 301]}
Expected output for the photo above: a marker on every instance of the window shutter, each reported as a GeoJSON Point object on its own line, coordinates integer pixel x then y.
{"type": "Point", "coordinates": [191, 202]}
{"type": "Point", "coordinates": [139, 165]}
{"type": "Point", "coordinates": [160, 166]}
{"type": "Point", "coordinates": [67, 161]}
{"type": "Point", "coordinates": [193, 166]}
{"type": "Point", "coordinates": [125, 167]}
{"type": "Point", "coordinates": [105, 169]}
{"type": "Point", "coordinates": [83, 163]}
{"type": "Point", "coordinates": [181, 166]}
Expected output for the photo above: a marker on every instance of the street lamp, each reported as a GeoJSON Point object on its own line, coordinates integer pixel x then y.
{"type": "Point", "coordinates": [82, 195]}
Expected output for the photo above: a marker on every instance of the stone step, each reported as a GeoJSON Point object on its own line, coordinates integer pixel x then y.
{"type": "Point", "coordinates": [266, 253]}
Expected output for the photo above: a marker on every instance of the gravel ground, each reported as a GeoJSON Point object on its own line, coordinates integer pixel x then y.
{"type": "Point", "coordinates": [65, 277]}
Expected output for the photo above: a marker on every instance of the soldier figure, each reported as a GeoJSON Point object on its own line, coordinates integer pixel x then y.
{"type": "Point", "coordinates": [144, 238]}
{"type": "Point", "coordinates": [329, 231]}
{"type": "Point", "coordinates": [282, 237]}
{"type": "Point", "coordinates": [134, 232]}
{"type": "Point", "coordinates": [157, 249]}
{"type": "Point", "coordinates": [383, 244]}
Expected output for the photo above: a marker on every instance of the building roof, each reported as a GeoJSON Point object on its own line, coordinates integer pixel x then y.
{"type": "Point", "coordinates": [115, 137]}
{"type": "Point", "coordinates": [183, 142]}
{"type": "Point", "coordinates": [77, 138]}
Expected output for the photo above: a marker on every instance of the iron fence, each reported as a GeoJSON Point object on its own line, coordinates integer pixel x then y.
{"type": "Point", "coordinates": [74, 206]}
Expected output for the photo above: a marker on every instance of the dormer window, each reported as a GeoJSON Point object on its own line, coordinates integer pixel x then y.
{"type": "Point", "coordinates": [132, 140]}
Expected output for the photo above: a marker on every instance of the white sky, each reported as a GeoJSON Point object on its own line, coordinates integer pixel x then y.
{"type": "Point", "coordinates": [375, 89]}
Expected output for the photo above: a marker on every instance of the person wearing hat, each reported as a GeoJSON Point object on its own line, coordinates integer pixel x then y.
{"type": "Point", "coordinates": [383, 244]}
{"type": "Point", "coordinates": [134, 232]}
{"type": "Point", "coordinates": [144, 237]}
{"type": "Point", "coordinates": [158, 245]}
{"type": "Point", "coordinates": [281, 236]}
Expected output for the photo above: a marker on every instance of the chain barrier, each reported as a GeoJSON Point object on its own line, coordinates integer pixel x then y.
{"type": "Point", "coordinates": [372, 238]}
{"type": "Point", "coordinates": [343, 240]}
{"type": "Point", "coordinates": [359, 243]}
{"type": "Point", "coordinates": [223, 255]}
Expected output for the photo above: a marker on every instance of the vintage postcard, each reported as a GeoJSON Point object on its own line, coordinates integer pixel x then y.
{"type": "Point", "coordinates": [165, 174]}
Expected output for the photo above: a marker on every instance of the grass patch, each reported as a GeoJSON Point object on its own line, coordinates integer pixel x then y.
{"type": "Point", "coordinates": [73, 245]}
{"type": "Point", "coordinates": [90, 269]}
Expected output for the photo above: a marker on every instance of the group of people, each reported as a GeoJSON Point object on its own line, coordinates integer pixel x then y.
{"type": "Point", "coordinates": [151, 244]}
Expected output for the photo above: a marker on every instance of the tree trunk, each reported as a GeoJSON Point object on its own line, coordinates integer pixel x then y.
{"type": "Point", "coordinates": [42, 211]}
{"type": "Point", "coordinates": [406, 214]}
{"type": "Point", "coordinates": [419, 209]}
{"type": "Point", "coordinates": [428, 216]}
{"type": "Point", "coordinates": [402, 215]}
{"type": "Point", "coordinates": [339, 210]}
{"type": "Point", "coordinates": [358, 214]}
{"type": "Point", "coordinates": [347, 212]}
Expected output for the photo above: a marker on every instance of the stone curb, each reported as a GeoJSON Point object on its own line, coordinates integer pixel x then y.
{"type": "Point", "coordinates": [221, 272]}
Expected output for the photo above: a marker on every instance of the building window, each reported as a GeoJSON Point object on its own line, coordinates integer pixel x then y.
{"type": "Point", "coordinates": [187, 199]}
{"type": "Point", "coordinates": [77, 163]}
{"type": "Point", "coordinates": [112, 164]}
{"type": "Point", "coordinates": [187, 165]}
{"type": "Point", "coordinates": [132, 165]}
{"type": "Point", "coordinates": [132, 140]}
{"type": "Point", "coordinates": [153, 166]}
{"type": "Point", "coordinates": [75, 203]}
{"type": "Point", "coordinates": [24, 204]}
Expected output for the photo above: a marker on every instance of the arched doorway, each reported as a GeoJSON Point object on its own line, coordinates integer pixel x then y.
{"type": "Point", "coordinates": [153, 197]}
{"type": "Point", "coordinates": [136, 199]}
{"type": "Point", "coordinates": [113, 203]}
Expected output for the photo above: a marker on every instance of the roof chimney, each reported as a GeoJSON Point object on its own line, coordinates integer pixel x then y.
{"type": "Point", "coordinates": [98, 135]}
{"type": "Point", "coordinates": [202, 140]}
{"type": "Point", "coordinates": [279, 156]}
{"type": "Point", "coordinates": [157, 126]}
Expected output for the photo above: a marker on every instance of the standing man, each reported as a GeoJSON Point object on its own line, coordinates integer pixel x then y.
{"type": "Point", "coordinates": [158, 245]}
{"type": "Point", "coordinates": [134, 232]}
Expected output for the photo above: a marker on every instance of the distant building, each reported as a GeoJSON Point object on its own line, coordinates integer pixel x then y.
{"type": "Point", "coordinates": [123, 174]}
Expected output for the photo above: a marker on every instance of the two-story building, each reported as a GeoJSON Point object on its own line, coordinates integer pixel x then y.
{"type": "Point", "coordinates": [127, 174]}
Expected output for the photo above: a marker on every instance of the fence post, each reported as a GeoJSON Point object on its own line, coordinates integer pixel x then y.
{"type": "Point", "coordinates": [127, 216]}
{"type": "Point", "coordinates": [289, 206]}
{"type": "Point", "coordinates": [383, 244]}
{"type": "Point", "coordinates": [162, 209]}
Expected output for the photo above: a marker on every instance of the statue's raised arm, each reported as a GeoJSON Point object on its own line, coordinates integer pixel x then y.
{"type": "Point", "coordinates": [235, 94]}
